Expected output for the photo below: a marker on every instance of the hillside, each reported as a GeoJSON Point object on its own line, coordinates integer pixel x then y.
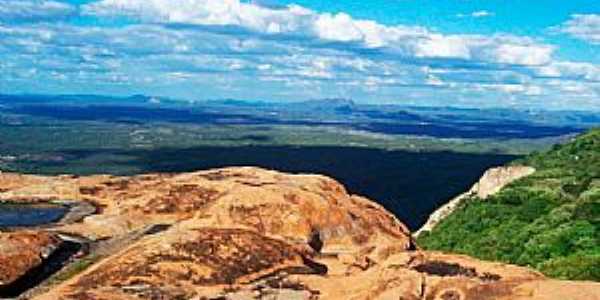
{"type": "Point", "coordinates": [549, 220]}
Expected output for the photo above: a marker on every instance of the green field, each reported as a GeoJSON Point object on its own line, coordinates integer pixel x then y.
{"type": "Point", "coordinates": [31, 144]}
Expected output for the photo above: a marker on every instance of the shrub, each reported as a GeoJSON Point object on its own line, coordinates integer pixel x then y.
{"type": "Point", "coordinates": [549, 221]}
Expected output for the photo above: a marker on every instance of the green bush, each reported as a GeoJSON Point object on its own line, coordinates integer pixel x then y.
{"type": "Point", "coordinates": [549, 221]}
{"type": "Point", "coordinates": [579, 266]}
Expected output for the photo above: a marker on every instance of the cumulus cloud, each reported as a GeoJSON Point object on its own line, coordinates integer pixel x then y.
{"type": "Point", "coordinates": [583, 27]}
{"type": "Point", "coordinates": [205, 49]}
{"type": "Point", "coordinates": [410, 41]}
{"type": "Point", "coordinates": [580, 71]}
{"type": "Point", "coordinates": [33, 10]}
{"type": "Point", "coordinates": [206, 12]}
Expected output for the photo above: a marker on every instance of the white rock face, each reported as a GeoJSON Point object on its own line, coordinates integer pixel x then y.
{"type": "Point", "coordinates": [492, 181]}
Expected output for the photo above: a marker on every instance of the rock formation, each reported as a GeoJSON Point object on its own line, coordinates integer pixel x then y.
{"type": "Point", "coordinates": [22, 251]}
{"type": "Point", "coordinates": [492, 181]}
{"type": "Point", "coordinates": [248, 233]}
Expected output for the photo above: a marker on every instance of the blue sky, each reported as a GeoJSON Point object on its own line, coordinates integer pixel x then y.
{"type": "Point", "coordinates": [489, 53]}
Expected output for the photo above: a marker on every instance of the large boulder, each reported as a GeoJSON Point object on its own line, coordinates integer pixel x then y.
{"type": "Point", "coordinates": [22, 251]}
{"type": "Point", "coordinates": [249, 233]}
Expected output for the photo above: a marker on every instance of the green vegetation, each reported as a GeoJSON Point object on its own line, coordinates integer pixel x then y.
{"type": "Point", "coordinates": [39, 145]}
{"type": "Point", "coordinates": [549, 221]}
{"type": "Point", "coordinates": [71, 270]}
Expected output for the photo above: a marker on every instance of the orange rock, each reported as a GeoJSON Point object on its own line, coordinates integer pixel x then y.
{"type": "Point", "coordinates": [22, 251]}
{"type": "Point", "coordinates": [249, 233]}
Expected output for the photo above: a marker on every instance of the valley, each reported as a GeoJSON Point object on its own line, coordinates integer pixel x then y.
{"type": "Point", "coordinates": [409, 159]}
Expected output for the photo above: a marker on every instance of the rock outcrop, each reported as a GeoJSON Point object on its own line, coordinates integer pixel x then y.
{"type": "Point", "coordinates": [492, 181]}
{"type": "Point", "coordinates": [248, 233]}
{"type": "Point", "coordinates": [22, 251]}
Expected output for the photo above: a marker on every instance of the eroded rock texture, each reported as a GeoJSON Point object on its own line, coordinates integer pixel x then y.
{"type": "Point", "coordinates": [22, 251]}
{"type": "Point", "coordinates": [248, 233]}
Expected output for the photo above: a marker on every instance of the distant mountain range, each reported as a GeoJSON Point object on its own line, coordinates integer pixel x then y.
{"type": "Point", "coordinates": [442, 122]}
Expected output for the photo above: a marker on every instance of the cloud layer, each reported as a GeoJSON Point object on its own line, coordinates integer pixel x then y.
{"type": "Point", "coordinates": [300, 23]}
{"type": "Point", "coordinates": [202, 49]}
{"type": "Point", "coordinates": [27, 10]}
{"type": "Point", "coordinates": [583, 27]}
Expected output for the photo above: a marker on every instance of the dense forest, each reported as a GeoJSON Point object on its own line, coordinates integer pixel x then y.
{"type": "Point", "coordinates": [549, 221]}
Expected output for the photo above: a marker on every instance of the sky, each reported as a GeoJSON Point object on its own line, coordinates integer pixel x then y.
{"type": "Point", "coordinates": [472, 53]}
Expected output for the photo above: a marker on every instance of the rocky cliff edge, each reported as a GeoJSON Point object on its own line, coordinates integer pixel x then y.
{"type": "Point", "coordinates": [249, 233]}
{"type": "Point", "coordinates": [492, 181]}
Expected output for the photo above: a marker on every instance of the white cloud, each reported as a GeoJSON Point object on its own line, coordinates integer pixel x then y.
{"type": "Point", "coordinates": [481, 14]}
{"type": "Point", "coordinates": [340, 27]}
{"type": "Point", "coordinates": [529, 90]}
{"type": "Point", "coordinates": [523, 54]}
{"type": "Point", "coordinates": [437, 45]}
{"type": "Point", "coordinates": [33, 10]}
{"type": "Point", "coordinates": [206, 12]}
{"type": "Point", "coordinates": [477, 14]}
{"type": "Point", "coordinates": [571, 70]}
{"type": "Point", "coordinates": [207, 49]}
{"type": "Point", "coordinates": [298, 21]}
{"type": "Point", "coordinates": [583, 27]}
{"type": "Point", "coordinates": [434, 80]}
